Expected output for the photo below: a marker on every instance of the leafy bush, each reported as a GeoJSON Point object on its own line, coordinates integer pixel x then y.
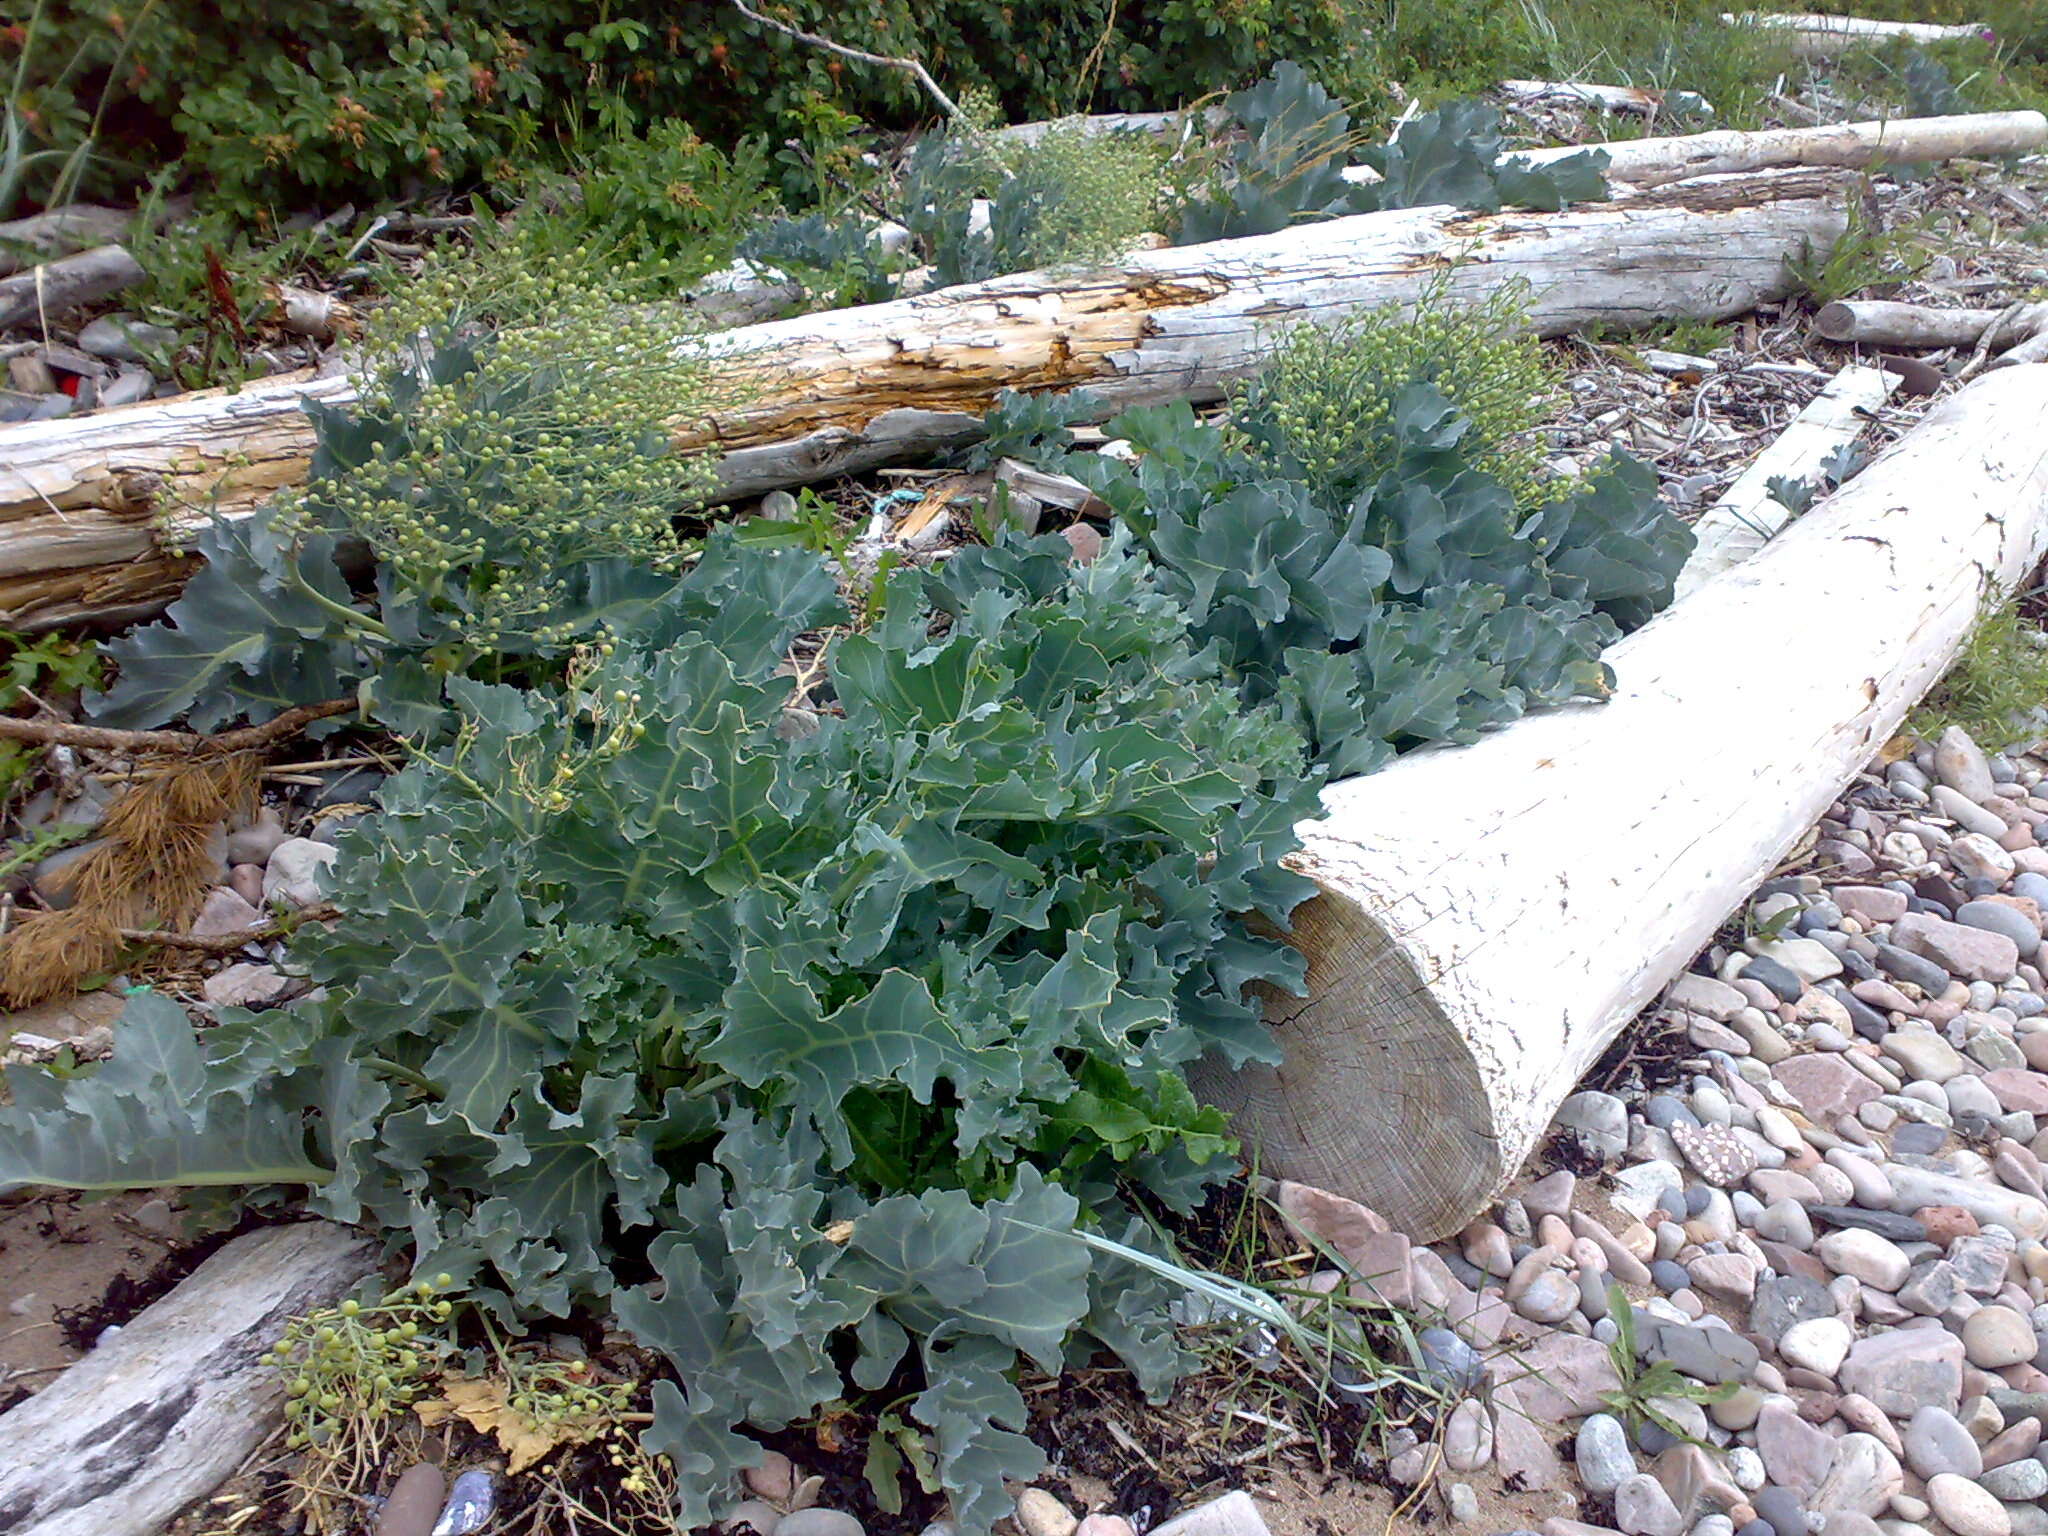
{"type": "Point", "coordinates": [1416, 607]}
{"type": "Point", "coordinates": [1297, 139]}
{"type": "Point", "coordinates": [1998, 681]}
{"type": "Point", "coordinates": [266, 105]}
{"type": "Point", "coordinates": [1321, 408]}
{"type": "Point", "coordinates": [836, 1036]}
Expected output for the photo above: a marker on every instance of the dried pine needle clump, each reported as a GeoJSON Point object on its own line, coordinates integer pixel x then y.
{"type": "Point", "coordinates": [153, 860]}
{"type": "Point", "coordinates": [519, 423]}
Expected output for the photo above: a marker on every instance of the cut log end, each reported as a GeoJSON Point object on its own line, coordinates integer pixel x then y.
{"type": "Point", "coordinates": [1378, 1096]}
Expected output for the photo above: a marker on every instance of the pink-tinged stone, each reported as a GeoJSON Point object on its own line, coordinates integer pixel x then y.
{"type": "Point", "coordinates": [2012, 1444]}
{"type": "Point", "coordinates": [2035, 1048]}
{"type": "Point", "coordinates": [2016, 1089]}
{"type": "Point", "coordinates": [1795, 1453]}
{"type": "Point", "coordinates": [2032, 861]}
{"type": "Point", "coordinates": [1971, 953]}
{"type": "Point", "coordinates": [1330, 1219]}
{"type": "Point", "coordinates": [1825, 1085]}
{"type": "Point", "coordinates": [1906, 1369]}
{"type": "Point", "coordinates": [1381, 1260]}
{"type": "Point", "coordinates": [1882, 994]}
{"type": "Point", "coordinates": [1869, 903]}
{"type": "Point", "coordinates": [2015, 837]}
{"type": "Point", "coordinates": [1562, 1376]}
{"type": "Point", "coordinates": [1521, 1441]}
{"type": "Point", "coordinates": [1946, 1223]}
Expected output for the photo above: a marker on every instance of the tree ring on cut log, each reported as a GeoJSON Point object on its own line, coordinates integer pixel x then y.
{"type": "Point", "coordinates": [1375, 1076]}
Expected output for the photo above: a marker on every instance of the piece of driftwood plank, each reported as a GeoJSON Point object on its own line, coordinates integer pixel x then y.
{"type": "Point", "coordinates": [1747, 516]}
{"type": "Point", "coordinates": [163, 1411]}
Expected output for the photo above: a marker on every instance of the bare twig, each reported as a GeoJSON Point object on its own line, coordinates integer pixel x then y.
{"type": "Point", "coordinates": [228, 943]}
{"type": "Point", "coordinates": [63, 733]}
{"type": "Point", "coordinates": [946, 103]}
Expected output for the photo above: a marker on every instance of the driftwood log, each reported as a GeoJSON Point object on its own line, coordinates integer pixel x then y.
{"type": "Point", "coordinates": [854, 389]}
{"type": "Point", "coordinates": [61, 285]}
{"type": "Point", "coordinates": [1608, 98]}
{"type": "Point", "coordinates": [1491, 916]}
{"type": "Point", "coordinates": [1816, 36]}
{"type": "Point", "coordinates": [161, 1413]}
{"type": "Point", "coordinates": [59, 232]}
{"type": "Point", "coordinates": [1747, 515]}
{"type": "Point", "coordinates": [1888, 323]}
{"type": "Point", "coordinates": [1846, 146]}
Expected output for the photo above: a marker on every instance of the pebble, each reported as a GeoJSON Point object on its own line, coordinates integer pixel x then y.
{"type": "Point", "coordinates": [1965, 1508]}
{"type": "Point", "coordinates": [1935, 1441]}
{"type": "Point", "coordinates": [415, 1502]}
{"type": "Point", "coordinates": [1819, 1344]}
{"type": "Point", "coordinates": [125, 338]}
{"type": "Point", "coordinates": [1643, 1508]}
{"type": "Point", "coordinates": [1998, 1336]}
{"type": "Point", "coordinates": [1601, 1120]}
{"type": "Point", "coordinates": [1039, 1513]}
{"type": "Point", "coordinates": [1601, 1453]}
{"type": "Point", "coordinates": [295, 870]}
{"type": "Point", "coordinates": [1870, 1258]}
{"type": "Point", "coordinates": [1468, 1438]}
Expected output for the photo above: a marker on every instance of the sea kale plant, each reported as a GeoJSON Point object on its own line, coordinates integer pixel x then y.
{"type": "Point", "coordinates": [809, 1042]}
{"type": "Point", "coordinates": [1282, 154]}
{"type": "Point", "coordinates": [1364, 552]}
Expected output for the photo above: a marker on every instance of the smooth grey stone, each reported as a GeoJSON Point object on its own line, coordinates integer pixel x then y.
{"type": "Point", "coordinates": [125, 338]}
{"type": "Point", "coordinates": [1669, 1277]}
{"type": "Point", "coordinates": [1924, 974]}
{"type": "Point", "coordinates": [1712, 1355]}
{"type": "Point", "coordinates": [1869, 1023]}
{"type": "Point", "coordinates": [1781, 1509]}
{"type": "Point", "coordinates": [1449, 1358]}
{"type": "Point", "coordinates": [1777, 977]}
{"type": "Point", "coordinates": [1664, 1111]}
{"type": "Point", "coordinates": [2017, 1482]}
{"type": "Point", "coordinates": [1918, 1140]}
{"type": "Point", "coordinates": [1993, 918]}
{"type": "Point", "coordinates": [1602, 1454]}
{"type": "Point", "coordinates": [1886, 1224]}
{"type": "Point", "coordinates": [1782, 1300]}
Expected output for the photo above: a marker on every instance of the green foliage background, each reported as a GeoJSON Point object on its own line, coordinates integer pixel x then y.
{"type": "Point", "coordinates": [270, 102]}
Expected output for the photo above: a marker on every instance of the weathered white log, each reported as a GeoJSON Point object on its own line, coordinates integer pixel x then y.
{"type": "Point", "coordinates": [59, 232]}
{"type": "Point", "coordinates": [1815, 36]}
{"type": "Point", "coordinates": [1491, 916]}
{"type": "Point", "coordinates": [1609, 98]}
{"type": "Point", "coordinates": [1847, 146]}
{"type": "Point", "coordinates": [1888, 323]}
{"type": "Point", "coordinates": [1159, 124]}
{"type": "Point", "coordinates": [1747, 516]}
{"type": "Point", "coordinates": [163, 1411]}
{"type": "Point", "coordinates": [856, 389]}
{"type": "Point", "coordinates": [67, 282]}
{"type": "Point", "coordinates": [2033, 350]}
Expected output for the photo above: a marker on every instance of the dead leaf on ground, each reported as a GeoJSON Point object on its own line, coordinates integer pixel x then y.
{"type": "Point", "coordinates": [484, 1405]}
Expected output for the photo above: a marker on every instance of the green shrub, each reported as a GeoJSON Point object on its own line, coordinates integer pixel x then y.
{"type": "Point", "coordinates": [267, 105]}
{"type": "Point", "coordinates": [1996, 683]}
{"type": "Point", "coordinates": [1321, 408]}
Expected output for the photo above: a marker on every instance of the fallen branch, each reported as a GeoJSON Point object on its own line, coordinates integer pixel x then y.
{"type": "Point", "coordinates": [243, 739]}
{"type": "Point", "coordinates": [59, 232]}
{"type": "Point", "coordinates": [1748, 515]}
{"type": "Point", "coordinates": [1491, 916]}
{"type": "Point", "coordinates": [856, 389]}
{"type": "Point", "coordinates": [229, 943]}
{"type": "Point", "coordinates": [1609, 98]}
{"type": "Point", "coordinates": [58, 286]}
{"type": "Point", "coordinates": [1887, 323]}
{"type": "Point", "coordinates": [910, 66]}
